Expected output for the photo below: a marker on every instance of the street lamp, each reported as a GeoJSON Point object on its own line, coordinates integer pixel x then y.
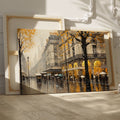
{"type": "Point", "coordinates": [28, 70]}
{"type": "Point", "coordinates": [28, 65]}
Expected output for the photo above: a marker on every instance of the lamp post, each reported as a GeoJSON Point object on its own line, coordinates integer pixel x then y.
{"type": "Point", "coordinates": [28, 65]}
{"type": "Point", "coordinates": [28, 70]}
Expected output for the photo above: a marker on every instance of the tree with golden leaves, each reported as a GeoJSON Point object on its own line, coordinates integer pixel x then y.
{"type": "Point", "coordinates": [24, 37]}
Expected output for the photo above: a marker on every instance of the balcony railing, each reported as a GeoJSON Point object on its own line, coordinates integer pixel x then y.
{"type": "Point", "coordinates": [80, 56]}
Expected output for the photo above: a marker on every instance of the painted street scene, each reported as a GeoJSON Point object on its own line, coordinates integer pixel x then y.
{"type": "Point", "coordinates": [63, 61]}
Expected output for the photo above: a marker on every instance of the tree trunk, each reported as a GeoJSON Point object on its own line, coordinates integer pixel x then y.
{"type": "Point", "coordinates": [20, 69]}
{"type": "Point", "coordinates": [87, 79]}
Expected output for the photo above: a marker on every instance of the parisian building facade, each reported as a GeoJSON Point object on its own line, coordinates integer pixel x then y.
{"type": "Point", "coordinates": [64, 57]}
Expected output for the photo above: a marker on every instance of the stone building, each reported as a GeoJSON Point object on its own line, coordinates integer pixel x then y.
{"type": "Point", "coordinates": [72, 55]}
{"type": "Point", "coordinates": [51, 55]}
{"type": "Point", "coordinates": [64, 55]}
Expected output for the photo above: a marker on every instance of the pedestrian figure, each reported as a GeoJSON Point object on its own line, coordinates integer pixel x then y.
{"type": "Point", "coordinates": [97, 83]}
{"type": "Point", "coordinates": [80, 81]}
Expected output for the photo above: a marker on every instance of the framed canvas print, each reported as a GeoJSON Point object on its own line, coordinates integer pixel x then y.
{"type": "Point", "coordinates": [64, 61]}
{"type": "Point", "coordinates": [41, 57]}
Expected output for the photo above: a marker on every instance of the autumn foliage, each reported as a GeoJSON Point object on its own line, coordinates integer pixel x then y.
{"type": "Point", "coordinates": [25, 39]}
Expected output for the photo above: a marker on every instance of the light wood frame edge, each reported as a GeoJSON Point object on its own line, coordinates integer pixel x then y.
{"type": "Point", "coordinates": [7, 18]}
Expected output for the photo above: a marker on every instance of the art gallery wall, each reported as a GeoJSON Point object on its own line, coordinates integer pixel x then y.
{"type": "Point", "coordinates": [68, 9]}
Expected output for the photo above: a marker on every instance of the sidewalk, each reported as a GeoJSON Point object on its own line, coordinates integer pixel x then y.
{"type": "Point", "coordinates": [66, 106]}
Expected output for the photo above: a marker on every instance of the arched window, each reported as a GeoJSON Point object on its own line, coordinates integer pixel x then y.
{"type": "Point", "coordinates": [75, 69]}
{"type": "Point", "coordinates": [89, 67]}
{"type": "Point", "coordinates": [70, 71]}
{"type": "Point", "coordinates": [97, 67]}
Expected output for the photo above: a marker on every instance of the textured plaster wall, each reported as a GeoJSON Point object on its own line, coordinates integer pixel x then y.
{"type": "Point", "coordinates": [102, 19]}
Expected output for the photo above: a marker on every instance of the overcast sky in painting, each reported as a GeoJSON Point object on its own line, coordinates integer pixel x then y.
{"type": "Point", "coordinates": [35, 53]}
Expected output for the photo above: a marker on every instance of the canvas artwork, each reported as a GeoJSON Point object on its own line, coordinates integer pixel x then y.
{"type": "Point", "coordinates": [56, 61]}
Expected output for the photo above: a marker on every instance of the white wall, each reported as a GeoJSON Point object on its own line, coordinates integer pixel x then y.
{"type": "Point", "coordinates": [68, 9]}
{"type": "Point", "coordinates": [2, 82]}
{"type": "Point", "coordinates": [23, 7]}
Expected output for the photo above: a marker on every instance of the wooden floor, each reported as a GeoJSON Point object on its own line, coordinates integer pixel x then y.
{"type": "Point", "coordinates": [78, 106]}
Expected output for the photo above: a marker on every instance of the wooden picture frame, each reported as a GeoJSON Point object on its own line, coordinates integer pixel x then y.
{"type": "Point", "coordinates": [9, 89]}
